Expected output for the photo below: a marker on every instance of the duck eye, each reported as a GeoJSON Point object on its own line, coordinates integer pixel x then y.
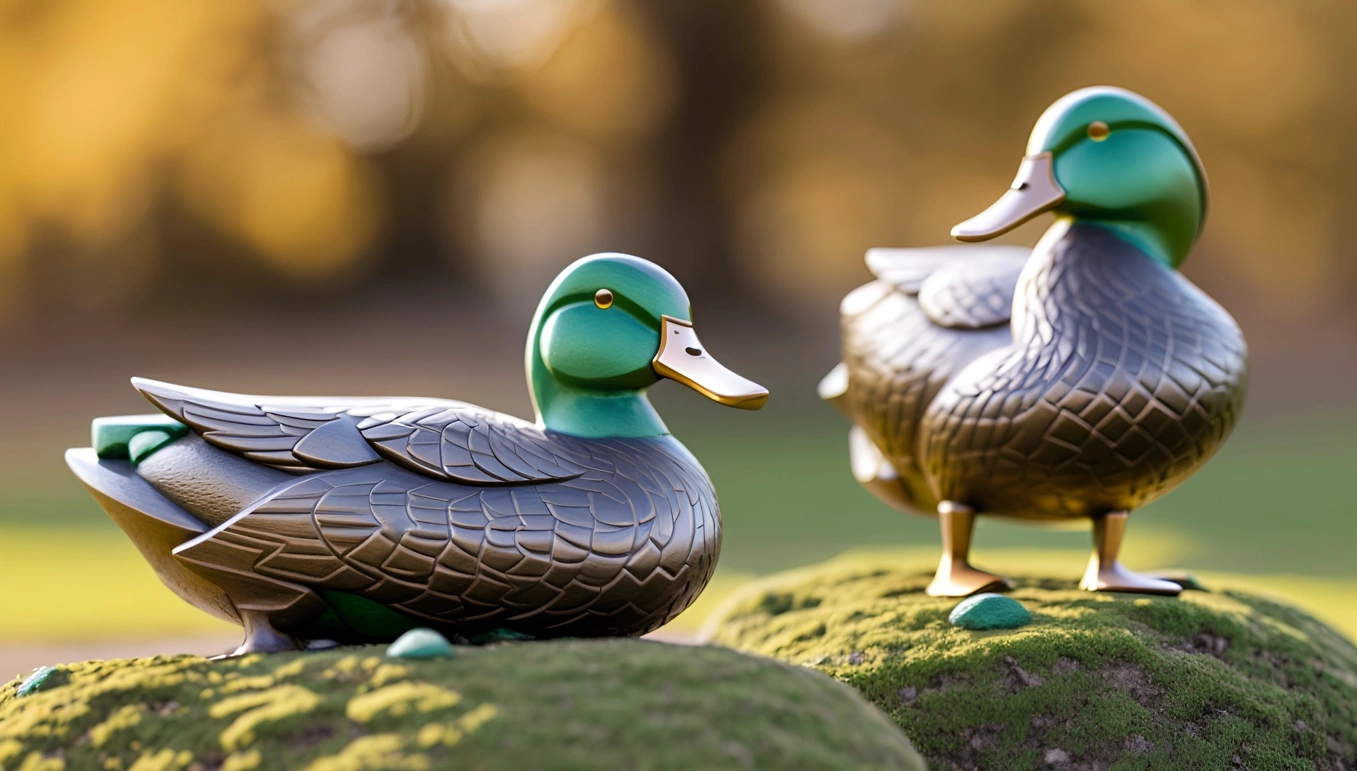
{"type": "Point", "coordinates": [1098, 131]}
{"type": "Point", "coordinates": [603, 298]}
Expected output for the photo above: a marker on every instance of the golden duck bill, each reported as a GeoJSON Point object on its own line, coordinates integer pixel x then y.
{"type": "Point", "coordinates": [1033, 191]}
{"type": "Point", "coordinates": [682, 358]}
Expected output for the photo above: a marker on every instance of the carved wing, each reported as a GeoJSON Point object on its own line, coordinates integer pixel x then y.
{"type": "Point", "coordinates": [441, 439]}
{"type": "Point", "coordinates": [959, 287]}
{"type": "Point", "coordinates": [906, 269]}
{"type": "Point", "coordinates": [931, 313]}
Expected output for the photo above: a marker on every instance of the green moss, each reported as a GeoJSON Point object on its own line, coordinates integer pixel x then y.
{"type": "Point", "coordinates": [1208, 680]}
{"type": "Point", "coordinates": [552, 705]}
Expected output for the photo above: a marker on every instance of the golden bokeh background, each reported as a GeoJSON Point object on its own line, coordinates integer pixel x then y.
{"type": "Point", "coordinates": [318, 148]}
{"type": "Point", "coordinates": [328, 196]}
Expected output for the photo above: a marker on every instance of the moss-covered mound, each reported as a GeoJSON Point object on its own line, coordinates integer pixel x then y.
{"type": "Point", "coordinates": [1218, 679]}
{"type": "Point", "coordinates": [623, 704]}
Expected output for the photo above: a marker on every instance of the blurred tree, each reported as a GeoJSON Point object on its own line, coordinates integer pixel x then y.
{"type": "Point", "coordinates": [233, 151]}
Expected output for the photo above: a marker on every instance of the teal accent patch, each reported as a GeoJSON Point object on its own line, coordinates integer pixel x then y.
{"type": "Point", "coordinates": [499, 635]}
{"type": "Point", "coordinates": [368, 619]}
{"type": "Point", "coordinates": [42, 677]}
{"type": "Point", "coordinates": [989, 611]}
{"type": "Point", "coordinates": [143, 444]}
{"type": "Point", "coordinates": [326, 626]}
{"type": "Point", "coordinates": [111, 436]}
{"type": "Point", "coordinates": [420, 644]}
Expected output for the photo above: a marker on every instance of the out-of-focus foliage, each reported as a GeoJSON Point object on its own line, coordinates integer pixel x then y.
{"type": "Point", "coordinates": [149, 145]}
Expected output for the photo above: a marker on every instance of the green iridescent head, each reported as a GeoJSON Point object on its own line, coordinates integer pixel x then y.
{"type": "Point", "coordinates": [1110, 157]}
{"type": "Point", "coordinates": [609, 327]}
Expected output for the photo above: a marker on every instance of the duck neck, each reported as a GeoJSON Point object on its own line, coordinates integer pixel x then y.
{"type": "Point", "coordinates": [1167, 248]}
{"type": "Point", "coordinates": [1165, 226]}
{"type": "Point", "coordinates": [589, 412]}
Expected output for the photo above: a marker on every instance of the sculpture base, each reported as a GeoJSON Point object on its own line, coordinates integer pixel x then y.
{"type": "Point", "coordinates": [1204, 680]}
{"type": "Point", "coordinates": [602, 704]}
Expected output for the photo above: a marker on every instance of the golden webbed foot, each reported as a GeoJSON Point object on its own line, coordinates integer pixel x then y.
{"type": "Point", "coordinates": [1116, 578]}
{"type": "Point", "coordinates": [1106, 574]}
{"type": "Point", "coordinates": [955, 576]}
{"type": "Point", "coordinates": [960, 580]}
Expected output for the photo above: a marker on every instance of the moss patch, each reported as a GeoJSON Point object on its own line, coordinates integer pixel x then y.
{"type": "Point", "coordinates": [558, 705]}
{"type": "Point", "coordinates": [1223, 679]}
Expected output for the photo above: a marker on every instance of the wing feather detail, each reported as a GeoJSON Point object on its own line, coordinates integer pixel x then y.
{"type": "Point", "coordinates": [958, 287]}
{"type": "Point", "coordinates": [440, 439]}
{"type": "Point", "coordinates": [930, 313]}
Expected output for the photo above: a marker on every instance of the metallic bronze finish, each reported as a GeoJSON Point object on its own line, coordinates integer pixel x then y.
{"type": "Point", "coordinates": [955, 576]}
{"type": "Point", "coordinates": [355, 519]}
{"type": "Point", "coordinates": [1081, 380]}
{"type": "Point", "coordinates": [1106, 574]}
{"type": "Point", "coordinates": [682, 358]}
{"type": "Point", "coordinates": [460, 519]}
{"type": "Point", "coordinates": [1077, 381]}
{"type": "Point", "coordinates": [1034, 190]}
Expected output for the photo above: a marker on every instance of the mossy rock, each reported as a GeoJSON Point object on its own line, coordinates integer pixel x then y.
{"type": "Point", "coordinates": [1219, 679]}
{"type": "Point", "coordinates": [623, 704]}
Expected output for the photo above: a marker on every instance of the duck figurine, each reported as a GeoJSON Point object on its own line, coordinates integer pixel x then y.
{"type": "Point", "coordinates": [1081, 379]}
{"type": "Point", "coordinates": [357, 519]}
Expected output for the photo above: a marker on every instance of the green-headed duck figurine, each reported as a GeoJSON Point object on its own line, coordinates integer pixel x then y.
{"type": "Point", "coordinates": [358, 519]}
{"type": "Point", "coordinates": [1083, 378]}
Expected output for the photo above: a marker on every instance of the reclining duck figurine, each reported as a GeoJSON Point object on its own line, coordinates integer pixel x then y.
{"type": "Point", "coordinates": [358, 519]}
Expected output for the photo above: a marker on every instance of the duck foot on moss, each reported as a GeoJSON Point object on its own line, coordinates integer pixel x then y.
{"type": "Point", "coordinates": [1106, 574]}
{"type": "Point", "coordinates": [955, 576]}
{"type": "Point", "coordinates": [964, 580]}
{"type": "Point", "coordinates": [261, 637]}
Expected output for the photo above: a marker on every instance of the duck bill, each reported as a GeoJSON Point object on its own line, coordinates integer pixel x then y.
{"type": "Point", "coordinates": [682, 358]}
{"type": "Point", "coordinates": [1033, 191]}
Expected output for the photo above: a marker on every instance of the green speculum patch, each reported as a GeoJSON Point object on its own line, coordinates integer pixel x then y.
{"type": "Point", "coordinates": [111, 437]}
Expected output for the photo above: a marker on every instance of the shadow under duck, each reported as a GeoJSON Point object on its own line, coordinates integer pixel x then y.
{"type": "Point", "coordinates": [356, 519]}
{"type": "Point", "coordinates": [1081, 379]}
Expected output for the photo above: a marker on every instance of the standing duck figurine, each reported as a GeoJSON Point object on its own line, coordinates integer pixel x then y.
{"type": "Point", "coordinates": [1081, 379]}
{"type": "Point", "coordinates": [357, 519]}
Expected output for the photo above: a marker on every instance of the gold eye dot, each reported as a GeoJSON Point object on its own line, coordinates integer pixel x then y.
{"type": "Point", "coordinates": [1098, 131]}
{"type": "Point", "coordinates": [603, 299]}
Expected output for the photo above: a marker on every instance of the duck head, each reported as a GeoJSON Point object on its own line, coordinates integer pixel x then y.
{"type": "Point", "coordinates": [1109, 157]}
{"type": "Point", "coordinates": [609, 327]}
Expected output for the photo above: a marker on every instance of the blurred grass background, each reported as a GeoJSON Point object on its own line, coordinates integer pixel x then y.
{"type": "Point", "coordinates": [368, 196]}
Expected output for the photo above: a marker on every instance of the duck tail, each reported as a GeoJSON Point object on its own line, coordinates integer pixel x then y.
{"type": "Point", "coordinates": [154, 523]}
{"type": "Point", "coordinates": [833, 388]}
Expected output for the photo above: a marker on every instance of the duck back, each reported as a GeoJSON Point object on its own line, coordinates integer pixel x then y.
{"type": "Point", "coordinates": [900, 349]}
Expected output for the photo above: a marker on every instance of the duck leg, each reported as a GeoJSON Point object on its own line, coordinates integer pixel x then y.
{"type": "Point", "coordinates": [1105, 573]}
{"type": "Point", "coordinates": [261, 637]}
{"type": "Point", "coordinates": [955, 576]}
